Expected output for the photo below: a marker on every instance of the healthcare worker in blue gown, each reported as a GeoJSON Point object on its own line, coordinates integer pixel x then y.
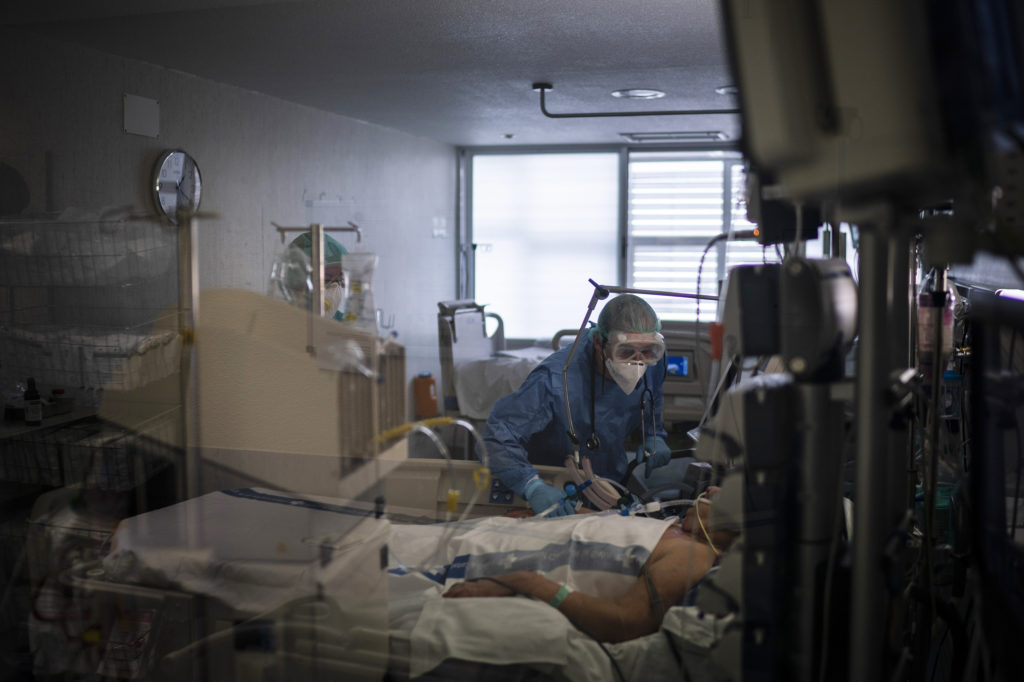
{"type": "Point", "coordinates": [615, 378]}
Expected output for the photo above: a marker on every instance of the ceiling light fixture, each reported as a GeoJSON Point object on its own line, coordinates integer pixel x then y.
{"type": "Point", "coordinates": [544, 87]}
{"type": "Point", "coordinates": [679, 136]}
{"type": "Point", "coordinates": [638, 93]}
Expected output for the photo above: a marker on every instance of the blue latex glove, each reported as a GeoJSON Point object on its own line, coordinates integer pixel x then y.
{"type": "Point", "coordinates": [659, 457]}
{"type": "Point", "coordinates": [542, 496]}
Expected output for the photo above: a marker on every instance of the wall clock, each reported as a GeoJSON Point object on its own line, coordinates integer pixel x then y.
{"type": "Point", "coordinates": [176, 186]}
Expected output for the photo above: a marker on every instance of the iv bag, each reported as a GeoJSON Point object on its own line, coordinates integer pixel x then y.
{"type": "Point", "coordinates": [358, 271]}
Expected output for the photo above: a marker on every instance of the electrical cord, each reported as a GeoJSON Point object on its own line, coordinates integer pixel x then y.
{"type": "Point", "coordinates": [703, 498]}
{"type": "Point", "coordinates": [700, 269]}
{"type": "Point", "coordinates": [730, 601]}
{"type": "Point", "coordinates": [1016, 494]}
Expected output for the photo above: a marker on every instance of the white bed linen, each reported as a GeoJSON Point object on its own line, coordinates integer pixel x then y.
{"type": "Point", "coordinates": [481, 382]}
{"type": "Point", "coordinates": [504, 631]}
{"type": "Point", "coordinates": [253, 549]}
{"type": "Point", "coordinates": [597, 554]}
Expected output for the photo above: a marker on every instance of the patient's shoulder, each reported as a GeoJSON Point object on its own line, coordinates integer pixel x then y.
{"type": "Point", "coordinates": [675, 541]}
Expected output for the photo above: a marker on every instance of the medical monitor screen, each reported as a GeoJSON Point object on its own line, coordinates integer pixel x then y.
{"type": "Point", "coordinates": [680, 366]}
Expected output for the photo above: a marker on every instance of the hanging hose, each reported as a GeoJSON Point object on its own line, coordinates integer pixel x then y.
{"type": "Point", "coordinates": [403, 429]}
{"type": "Point", "coordinates": [481, 476]}
{"type": "Point", "coordinates": [453, 493]}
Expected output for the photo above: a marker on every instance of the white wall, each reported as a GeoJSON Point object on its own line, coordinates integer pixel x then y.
{"type": "Point", "coordinates": [262, 160]}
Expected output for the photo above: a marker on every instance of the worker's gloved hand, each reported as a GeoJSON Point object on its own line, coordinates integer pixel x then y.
{"type": "Point", "coordinates": [659, 457]}
{"type": "Point", "coordinates": [542, 496]}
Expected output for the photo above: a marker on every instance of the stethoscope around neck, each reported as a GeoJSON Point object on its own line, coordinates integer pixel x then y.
{"type": "Point", "coordinates": [602, 492]}
{"type": "Point", "coordinates": [605, 493]}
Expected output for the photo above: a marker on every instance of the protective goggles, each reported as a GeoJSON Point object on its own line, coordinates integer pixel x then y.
{"type": "Point", "coordinates": [645, 348]}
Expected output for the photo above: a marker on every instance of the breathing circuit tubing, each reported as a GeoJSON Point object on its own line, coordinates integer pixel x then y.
{"type": "Point", "coordinates": [481, 476]}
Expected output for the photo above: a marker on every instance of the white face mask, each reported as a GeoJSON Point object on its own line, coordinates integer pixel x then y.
{"type": "Point", "coordinates": [333, 297]}
{"type": "Point", "coordinates": [626, 374]}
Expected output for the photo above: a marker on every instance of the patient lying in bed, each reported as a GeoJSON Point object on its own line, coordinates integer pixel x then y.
{"type": "Point", "coordinates": [622, 575]}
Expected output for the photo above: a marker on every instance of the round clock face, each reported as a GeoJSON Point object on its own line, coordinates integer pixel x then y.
{"type": "Point", "coordinates": [177, 185]}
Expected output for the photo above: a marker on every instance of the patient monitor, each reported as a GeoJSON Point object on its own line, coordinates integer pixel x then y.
{"type": "Point", "coordinates": [687, 354]}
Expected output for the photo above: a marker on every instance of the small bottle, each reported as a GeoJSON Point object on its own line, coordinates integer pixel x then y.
{"type": "Point", "coordinates": [33, 404]}
{"type": "Point", "coordinates": [424, 391]}
{"type": "Point", "coordinates": [932, 304]}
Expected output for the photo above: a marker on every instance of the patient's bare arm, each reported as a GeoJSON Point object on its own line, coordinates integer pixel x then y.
{"type": "Point", "coordinates": [675, 565]}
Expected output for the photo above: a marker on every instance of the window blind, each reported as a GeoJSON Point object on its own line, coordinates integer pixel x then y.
{"type": "Point", "coordinates": [677, 203]}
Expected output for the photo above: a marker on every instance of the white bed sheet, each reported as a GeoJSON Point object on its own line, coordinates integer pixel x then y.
{"type": "Point", "coordinates": [593, 553]}
{"type": "Point", "coordinates": [502, 631]}
{"type": "Point", "coordinates": [253, 549]}
{"type": "Point", "coordinates": [481, 382]}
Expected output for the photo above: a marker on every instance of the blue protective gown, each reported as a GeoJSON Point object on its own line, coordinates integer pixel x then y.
{"type": "Point", "coordinates": [529, 426]}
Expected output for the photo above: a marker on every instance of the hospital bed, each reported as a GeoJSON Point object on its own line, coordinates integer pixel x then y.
{"type": "Point", "coordinates": [261, 585]}
{"type": "Point", "coordinates": [477, 368]}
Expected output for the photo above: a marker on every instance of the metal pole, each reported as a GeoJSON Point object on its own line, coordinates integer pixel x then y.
{"type": "Point", "coordinates": [817, 460]}
{"type": "Point", "coordinates": [901, 295]}
{"type": "Point", "coordinates": [869, 529]}
{"type": "Point", "coordinates": [316, 251]}
{"type": "Point", "coordinates": [599, 294]}
{"type": "Point", "coordinates": [652, 292]}
{"type": "Point", "coordinates": [188, 320]}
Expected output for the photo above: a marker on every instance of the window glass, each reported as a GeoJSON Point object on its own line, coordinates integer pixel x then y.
{"type": "Point", "coordinates": [543, 224]}
{"type": "Point", "coordinates": [679, 202]}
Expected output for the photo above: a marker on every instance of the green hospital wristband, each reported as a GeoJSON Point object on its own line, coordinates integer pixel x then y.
{"type": "Point", "coordinates": [560, 596]}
